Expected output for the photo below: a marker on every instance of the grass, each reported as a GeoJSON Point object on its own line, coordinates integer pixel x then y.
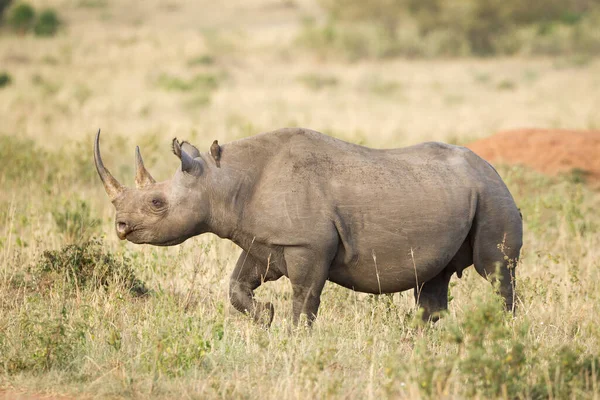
{"type": "Point", "coordinates": [69, 321]}
{"type": "Point", "coordinates": [317, 82]}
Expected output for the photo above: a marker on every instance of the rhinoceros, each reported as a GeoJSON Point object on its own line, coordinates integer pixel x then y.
{"type": "Point", "coordinates": [314, 208]}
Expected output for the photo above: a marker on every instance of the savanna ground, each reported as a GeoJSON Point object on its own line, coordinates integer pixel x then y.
{"type": "Point", "coordinates": [74, 318]}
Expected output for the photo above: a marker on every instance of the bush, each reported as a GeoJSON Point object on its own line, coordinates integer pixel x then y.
{"type": "Point", "coordinates": [5, 79]}
{"type": "Point", "coordinates": [22, 18]}
{"type": "Point", "coordinates": [47, 24]}
{"type": "Point", "coordinates": [3, 6]}
{"type": "Point", "coordinates": [85, 266]}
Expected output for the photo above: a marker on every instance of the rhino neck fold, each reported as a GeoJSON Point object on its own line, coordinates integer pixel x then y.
{"type": "Point", "coordinates": [231, 187]}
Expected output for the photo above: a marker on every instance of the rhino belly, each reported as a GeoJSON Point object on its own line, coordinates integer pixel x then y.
{"type": "Point", "coordinates": [370, 277]}
{"type": "Point", "coordinates": [375, 263]}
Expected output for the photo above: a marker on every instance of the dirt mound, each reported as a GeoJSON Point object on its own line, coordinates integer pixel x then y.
{"type": "Point", "coordinates": [550, 151]}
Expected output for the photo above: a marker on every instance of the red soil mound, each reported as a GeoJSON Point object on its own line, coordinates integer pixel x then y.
{"type": "Point", "coordinates": [550, 151]}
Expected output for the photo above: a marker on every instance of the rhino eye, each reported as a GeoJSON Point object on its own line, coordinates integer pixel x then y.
{"type": "Point", "coordinates": [157, 203]}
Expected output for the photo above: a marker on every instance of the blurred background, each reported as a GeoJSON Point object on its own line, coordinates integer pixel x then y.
{"type": "Point", "coordinates": [382, 73]}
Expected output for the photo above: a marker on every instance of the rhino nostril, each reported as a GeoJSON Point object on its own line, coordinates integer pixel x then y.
{"type": "Point", "coordinates": [121, 227]}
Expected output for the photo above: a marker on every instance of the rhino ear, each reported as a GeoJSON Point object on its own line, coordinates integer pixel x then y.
{"type": "Point", "coordinates": [190, 149]}
{"type": "Point", "coordinates": [188, 163]}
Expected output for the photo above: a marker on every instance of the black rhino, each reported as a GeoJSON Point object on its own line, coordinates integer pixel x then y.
{"type": "Point", "coordinates": [313, 208]}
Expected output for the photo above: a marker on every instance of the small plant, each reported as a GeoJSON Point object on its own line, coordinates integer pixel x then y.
{"type": "Point", "coordinates": [47, 23]}
{"type": "Point", "coordinates": [22, 18]}
{"type": "Point", "coordinates": [5, 79]}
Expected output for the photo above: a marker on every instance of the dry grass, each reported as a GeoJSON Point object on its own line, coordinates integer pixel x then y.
{"type": "Point", "coordinates": [183, 340]}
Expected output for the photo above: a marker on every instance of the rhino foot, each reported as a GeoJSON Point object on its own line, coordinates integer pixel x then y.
{"type": "Point", "coordinates": [263, 314]}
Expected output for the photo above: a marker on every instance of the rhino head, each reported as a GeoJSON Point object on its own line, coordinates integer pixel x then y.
{"type": "Point", "coordinates": [159, 213]}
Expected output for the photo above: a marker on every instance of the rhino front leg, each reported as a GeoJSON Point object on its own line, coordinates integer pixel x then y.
{"type": "Point", "coordinates": [307, 272]}
{"type": "Point", "coordinates": [432, 295]}
{"type": "Point", "coordinates": [248, 275]}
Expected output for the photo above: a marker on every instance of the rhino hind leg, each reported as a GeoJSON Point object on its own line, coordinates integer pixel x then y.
{"type": "Point", "coordinates": [496, 250]}
{"type": "Point", "coordinates": [248, 275]}
{"type": "Point", "coordinates": [432, 296]}
{"type": "Point", "coordinates": [502, 274]}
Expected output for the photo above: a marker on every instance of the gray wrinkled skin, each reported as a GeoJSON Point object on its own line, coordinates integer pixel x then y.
{"type": "Point", "coordinates": [313, 208]}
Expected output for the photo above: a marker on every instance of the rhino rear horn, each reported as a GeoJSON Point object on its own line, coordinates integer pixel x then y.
{"type": "Point", "coordinates": [188, 163]}
{"type": "Point", "coordinates": [111, 185]}
{"type": "Point", "coordinates": [142, 176]}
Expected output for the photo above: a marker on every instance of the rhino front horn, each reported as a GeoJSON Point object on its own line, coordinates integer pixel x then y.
{"type": "Point", "coordinates": [111, 185]}
{"type": "Point", "coordinates": [142, 176]}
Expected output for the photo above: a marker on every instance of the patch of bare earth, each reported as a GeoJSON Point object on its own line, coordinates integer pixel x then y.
{"type": "Point", "coordinates": [550, 151]}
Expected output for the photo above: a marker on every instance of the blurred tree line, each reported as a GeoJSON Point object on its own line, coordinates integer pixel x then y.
{"type": "Point", "coordinates": [457, 27]}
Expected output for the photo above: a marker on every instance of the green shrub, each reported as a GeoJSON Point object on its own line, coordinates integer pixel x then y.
{"type": "Point", "coordinates": [85, 266]}
{"type": "Point", "coordinates": [47, 24]}
{"type": "Point", "coordinates": [5, 79]}
{"type": "Point", "coordinates": [3, 6]}
{"type": "Point", "coordinates": [22, 18]}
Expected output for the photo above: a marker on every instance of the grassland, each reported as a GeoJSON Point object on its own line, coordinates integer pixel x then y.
{"type": "Point", "coordinates": [70, 322]}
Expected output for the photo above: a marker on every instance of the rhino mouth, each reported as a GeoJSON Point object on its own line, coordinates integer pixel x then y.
{"type": "Point", "coordinates": [135, 237]}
